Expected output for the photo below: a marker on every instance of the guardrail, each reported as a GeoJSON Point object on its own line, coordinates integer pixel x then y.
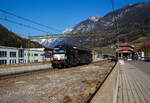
{"type": "Point", "coordinates": [109, 89]}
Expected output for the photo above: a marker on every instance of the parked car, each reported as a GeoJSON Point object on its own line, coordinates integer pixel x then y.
{"type": "Point", "coordinates": [143, 58]}
{"type": "Point", "coordinates": [105, 56]}
{"type": "Point", "coordinates": [147, 59]}
{"type": "Point", "coordinates": [129, 59]}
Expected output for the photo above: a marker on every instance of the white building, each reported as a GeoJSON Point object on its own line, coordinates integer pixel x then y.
{"type": "Point", "coordinates": [12, 55]}
{"type": "Point", "coordinates": [33, 55]}
{"type": "Point", "coordinates": [8, 55]}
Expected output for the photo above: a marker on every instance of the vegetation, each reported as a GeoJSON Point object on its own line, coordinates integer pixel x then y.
{"type": "Point", "coordinates": [11, 39]}
{"type": "Point", "coordinates": [145, 46]}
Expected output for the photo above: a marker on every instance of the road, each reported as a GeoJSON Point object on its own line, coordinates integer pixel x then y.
{"type": "Point", "coordinates": [142, 66]}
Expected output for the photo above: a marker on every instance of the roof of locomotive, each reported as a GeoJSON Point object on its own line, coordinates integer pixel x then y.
{"type": "Point", "coordinates": [74, 47]}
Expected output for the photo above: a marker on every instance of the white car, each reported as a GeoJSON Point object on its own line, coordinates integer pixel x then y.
{"type": "Point", "coordinates": [129, 59]}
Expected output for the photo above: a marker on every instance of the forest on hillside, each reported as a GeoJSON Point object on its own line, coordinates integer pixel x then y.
{"type": "Point", "coordinates": [11, 39]}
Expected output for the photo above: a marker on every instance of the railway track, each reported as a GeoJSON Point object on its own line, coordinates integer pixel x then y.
{"type": "Point", "coordinates": [50, 84]}
{"type": "Point", "coordinates": [15, 75]}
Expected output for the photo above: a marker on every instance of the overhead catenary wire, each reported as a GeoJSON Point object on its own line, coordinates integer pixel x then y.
{"type": "Point", "coordinates": [29, 20]}
{"type": "Point", "coordinates": [27, 26]}
{"type": "Point", "coordinates": [49, 36]}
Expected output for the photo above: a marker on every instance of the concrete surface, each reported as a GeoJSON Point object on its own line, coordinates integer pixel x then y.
{"type": "Point", "coordinates": [134, 85]}
{"type": "Point", "coordinates": [13, 70]}
{"type": "Point", "coordinates": [108, 91]}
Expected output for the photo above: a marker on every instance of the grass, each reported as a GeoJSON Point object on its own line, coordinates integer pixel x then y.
{"type": "Point", "coordinates": [138, 42]}
{"type": "Point", "coordinates": [108, 51]}
{"type": "Point", "coordinates": [104, 50]}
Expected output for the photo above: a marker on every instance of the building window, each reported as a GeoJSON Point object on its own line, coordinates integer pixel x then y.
{"type": "Point", "coordinates": [3, 53]}
{"type": "Point", "coordinates": [21, 53]}
{"type": "Point", "coordinates": [21, 61]}
{"type": "Point", "coordinates": [35, 54]}
{"type": "Point", "coordinates": [12, 61]}
{"type": "Point", "coordinates": [12, 54]}
{"type": "Point", "coordinates": [35, 61]}
{"type": "Point", "coordinates": [3, 62]}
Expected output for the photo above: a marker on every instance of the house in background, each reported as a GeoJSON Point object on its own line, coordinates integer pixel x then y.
{"type": "Point", "coordinates": [125, 51]}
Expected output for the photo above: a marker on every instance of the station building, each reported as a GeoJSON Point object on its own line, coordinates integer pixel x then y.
{"type": "Point", "coordinates": [12, 55]}
{"type": "Point", "coordinates": [125, 51]}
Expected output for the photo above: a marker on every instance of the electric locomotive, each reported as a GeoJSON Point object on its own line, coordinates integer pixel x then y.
{"type": "Point", "coordinates": [67, 55]}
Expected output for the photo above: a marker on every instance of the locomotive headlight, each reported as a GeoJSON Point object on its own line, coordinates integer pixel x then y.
{"type": "Point", "coordinates": [59, 56]}
{"type": "Point", "coordinates": [62, 57]}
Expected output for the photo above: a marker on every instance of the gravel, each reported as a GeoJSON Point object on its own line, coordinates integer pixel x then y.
{"type": "Point", "coordinates": [71, 85]}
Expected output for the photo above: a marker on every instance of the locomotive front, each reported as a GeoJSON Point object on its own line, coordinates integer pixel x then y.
{"type": "Point", "coordinates": [59, 56]}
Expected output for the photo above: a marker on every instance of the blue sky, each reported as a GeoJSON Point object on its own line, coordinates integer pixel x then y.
{"type": "Point", "coordinates": [60, 14]}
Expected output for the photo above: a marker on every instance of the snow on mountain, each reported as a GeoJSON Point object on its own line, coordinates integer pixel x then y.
{"type": "Point", "coordinates": [49, 43]}
{"type": "Point", "coordinates": [95, 18]}
{"type": "Point", "coordinates": [67, 31]}
{"type": "Point", "coordinates": [87, 25]}
{"type": "Point", "coordinates": [129, 13]}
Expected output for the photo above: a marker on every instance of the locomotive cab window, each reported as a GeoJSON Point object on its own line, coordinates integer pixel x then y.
{"type": "Point", "coordinates": [59, 50]}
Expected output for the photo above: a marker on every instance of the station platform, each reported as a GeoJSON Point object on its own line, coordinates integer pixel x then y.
{"type": "Point", "coordinates": [134, 84]}
{"type": "Point", "coordinates": [22, 69]}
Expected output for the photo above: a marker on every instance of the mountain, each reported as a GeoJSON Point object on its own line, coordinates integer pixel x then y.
{"type": "Point", "coordinates": [130, 15]}
{"type": "Point", "coordinates": [11, 39]}
{"type": "Point", "coordinates": [49, 43]}
{"type": "Point", "coordinates": [88, 25]}
{"type": "Point", "coordinates": [132, 22]}
{"type": "Point", "coordinates": [66, 31]}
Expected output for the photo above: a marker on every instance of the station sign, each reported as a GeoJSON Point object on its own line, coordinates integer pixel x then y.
{"type": "Point", "coordinates": [47, 54]}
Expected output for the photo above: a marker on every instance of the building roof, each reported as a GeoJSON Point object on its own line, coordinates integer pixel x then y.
{"type": "Point", "coordinates": [5, 47]}
{"type": "Point", "coordinates": [126, 45]}
{"type": "Point", "coordinates": [125, 48]}
{"type": "Point", "coordinates": [14, 48]}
